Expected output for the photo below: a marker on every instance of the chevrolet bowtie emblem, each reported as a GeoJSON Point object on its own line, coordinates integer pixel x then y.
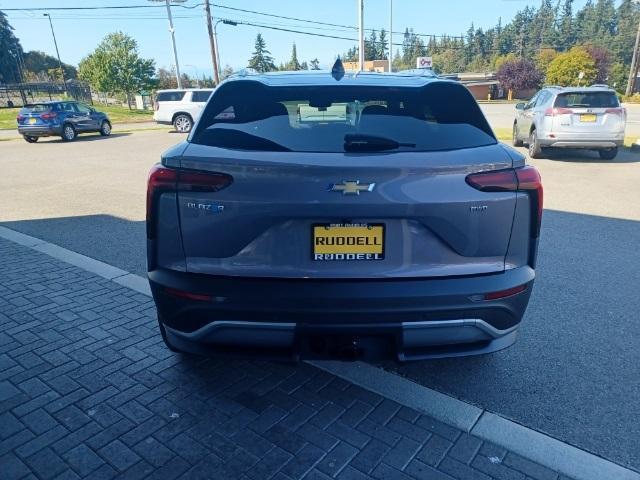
{"type": "Point", "coordinates": [353, 187]}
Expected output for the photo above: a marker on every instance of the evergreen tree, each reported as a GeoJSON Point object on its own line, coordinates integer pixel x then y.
{"type": "Point", "coordinates": [294, 64]}
{"type": "Point", "coordinates": [371, 46]}
{"type": "Point", "coordinates": [315, 64]}
{"type": "Point", "coordinates": [381, 51]}
{"type": "Point", "coordinates": [10, 53]}
{"type": "Point", "coordinates": [566, 34]}
{"type": "Point", "coordinates": [261, 60]}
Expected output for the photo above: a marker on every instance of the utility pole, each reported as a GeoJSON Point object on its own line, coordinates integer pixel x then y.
{"type": "Point", "coordinates": [212, 43]}
{"type": "Point", "coordinates": [64, 80]}
{"type": "Point", "coordinates": [361, 33]}
{"type": "Point", "coordinates": [390, 35]}
{"type": "Point", "coordinates": [635, 63]}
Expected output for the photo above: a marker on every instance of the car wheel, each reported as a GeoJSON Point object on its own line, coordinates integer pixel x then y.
{"type": "Point", "coordinates": [516, 141]}
{"type": "Point", "coordinates": [183, 123]}
{"type": "Point", "coordinates": [68, 133]}
{"type": "Point", "coordinates": [534, 147]}
{"type": "Point", "coordinates": [608, 154]}
{"type": "Point", "coordinates": [105, 128]}
{"type": "Point", "coordinates": [30, 139]}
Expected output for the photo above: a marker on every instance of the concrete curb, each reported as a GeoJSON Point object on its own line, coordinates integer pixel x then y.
{"type": "Point", "coordinates": [535, 446]}
{"type": "Point", "coordinates": [442, 407]}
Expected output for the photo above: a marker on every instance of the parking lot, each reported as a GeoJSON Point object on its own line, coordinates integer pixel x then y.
{"type": "Point", "coordinates": [573, 373]}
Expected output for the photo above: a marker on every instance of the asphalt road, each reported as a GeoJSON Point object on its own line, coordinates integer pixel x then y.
{"type": "Point", "coordinates": [574, 373]}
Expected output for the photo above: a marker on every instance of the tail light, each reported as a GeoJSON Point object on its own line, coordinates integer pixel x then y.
{"type": "Point", "coordinates": [552, 112]}
{"type": "Point", "coordinates": [19, 118]}
{"type": "Point", "coordinates": [48, 115]}
{"type": "Point", "coordinates": [163, 179]}
{"type": "Point", "coordinates": [525, 179]}
{"type": "Point", "coordinates": [616, 111]}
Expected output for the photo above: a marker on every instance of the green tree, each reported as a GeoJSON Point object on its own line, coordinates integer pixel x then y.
{"type": "Point", "coordinates": [261, 60]}
{"type": "Point", "coordinates": [116, 67]}
{"type": "Point", "coordinates": [544, 58]}
{"type": "Point", "coordinates": [293, 64]}
{"type": "Point", "coordinates": [566, 34]}
{"type": "Point", "coordinates": [10, 53]}
{"type": "Point", "coordinates": [39, 65]}
{"type": "Point", "coordinates": [618, 76]}
{"type": "Point", "coordinates": [315, 64]}
{"type": "Point", "coordinates": [383, 48]}
{"type": "Point", "coordinates": [566, 67]}
{"type": "Point", "coordinates": [371, 46]}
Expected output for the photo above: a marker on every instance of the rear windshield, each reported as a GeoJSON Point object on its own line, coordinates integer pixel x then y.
{"type": "Point", "coordinates": [169, 96]}
{"type": "Point", "coordinates": [247, 115]}
{"type": "Point", "coordinates": [587, 100]}
{"type": "Point", "coordinates": [37, 108]}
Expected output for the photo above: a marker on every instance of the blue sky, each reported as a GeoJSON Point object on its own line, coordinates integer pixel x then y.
{"type": "Point", "coordinates": [78, 32]}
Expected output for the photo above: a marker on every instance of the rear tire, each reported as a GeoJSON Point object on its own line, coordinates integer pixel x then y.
{"type": "Point", "coordinates": [182, 123]}
{"type": "Point", "coordinates": [68, 133]}
{"type": "Point", "coordinates": [105, 128]}
{"type": "Point", "coordinates": [608, 154]}
{"type": "Point", "coordinates": [516, 141]}
{"type": "Point", "coordinates": [535, 150]}
{"type": "Point", "coordinates": [30, 138]}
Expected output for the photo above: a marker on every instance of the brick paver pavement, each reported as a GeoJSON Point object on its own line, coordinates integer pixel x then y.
{"type": "Point", "coordinates": [88, 390]}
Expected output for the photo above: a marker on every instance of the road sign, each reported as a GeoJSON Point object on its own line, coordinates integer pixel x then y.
{"type": "Point", "coordinates": [580, 75]}
{"type": "Point", "coordinates": [424, 62]}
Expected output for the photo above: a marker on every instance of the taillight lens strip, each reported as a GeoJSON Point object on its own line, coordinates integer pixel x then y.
{"type": "Point", "coordinates": [523, 179]}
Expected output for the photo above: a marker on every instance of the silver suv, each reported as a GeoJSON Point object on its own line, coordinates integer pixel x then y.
{"type": "Point", "coordinates": [573, 117]}
{"type": "Point", "coordinates": [311, 215]}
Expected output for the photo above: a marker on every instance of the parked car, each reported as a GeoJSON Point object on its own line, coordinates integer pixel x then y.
{"type": "Point", "coordinates": [573, 117]}
{"type": "Point", "coordinates": [180, 108]}
{"type": "Point", "coordinates": [64, 119]}
{"type": "Point", "coordinates": [361, 216]}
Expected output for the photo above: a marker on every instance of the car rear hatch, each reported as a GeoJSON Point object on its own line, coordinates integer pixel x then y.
{"type": "Point", "coordinates": [588, 112]}
{"type": "Point", "coordinates": [38, 114]}
{"type": "Point", "coordinates": [342, 182]}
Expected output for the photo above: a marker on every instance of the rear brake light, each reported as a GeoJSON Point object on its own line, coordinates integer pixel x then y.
{"type": "Point", "coordinates": [552, 112]}
{"type": "Point", "coordinates": [163, 179]}
{"type": "Point", "coordinates": [505, 293]}
{"type": "Point", "coordinates": [615, 111]}
{"type": "Point", "coordinates": [19, 118]}
{"type": "Point", "coordinates": [48, 115]}
{"type": "Point", "coordinates": [174, 292]}
{"type": "Point", "coordinates": [524, 179]}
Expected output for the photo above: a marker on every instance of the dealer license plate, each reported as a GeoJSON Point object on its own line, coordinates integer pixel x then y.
{"type": "Point", "coordinates": [352, 241]}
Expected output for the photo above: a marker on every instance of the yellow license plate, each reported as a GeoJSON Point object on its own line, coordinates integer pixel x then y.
{"type": "Point", "coordinates": [32, 121]}
{"type": "Point", "coordinates": [348, 242]}
{"type": "Point", "coordinates": [588, 117]}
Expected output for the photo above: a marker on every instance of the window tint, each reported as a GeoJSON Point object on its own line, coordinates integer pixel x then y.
{"type": "Point", "coordinates": [531, 103]}
{"type": "Point", "coordinates": [68, 107]}
{"type": "Point", "coordinates": [170, 96]}
{"type": "Point", "coordinates": [247, 115]}
{"type": "Point", "coordinates": [587, 100]}
{"type": "Point", "coordinates": [38, 107]}
{"type": "Point", "coordinates": [83, 108]}
{"type": "Point", "coordinates": [200, 96]}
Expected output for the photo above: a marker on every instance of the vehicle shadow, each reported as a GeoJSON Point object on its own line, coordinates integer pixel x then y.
{"type": "Point", "coordinates": [86, 137]}
{"type": "Point", "coordinates": [625, 155]}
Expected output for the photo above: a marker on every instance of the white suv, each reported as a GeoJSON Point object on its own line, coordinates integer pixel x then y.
{"type": "Point", "coordinates": [180, 108]}
{"type": "Point", "coordinates": [571, 117]}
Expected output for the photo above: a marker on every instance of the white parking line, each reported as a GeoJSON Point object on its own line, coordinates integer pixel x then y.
{"type": "Point", "coordinates": [531, 444]}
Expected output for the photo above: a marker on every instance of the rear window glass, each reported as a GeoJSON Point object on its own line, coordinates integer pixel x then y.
{"type": "Point", "coordinates": [587, 100]}
{"type": "Point", "coordinates": [247, 115]}
{"type": "Point", "coordinates": [169, 96]}
{"type": "Point", "coordinates": [37, 108]}
{"type": "Point", "coordinates": [200, 96]}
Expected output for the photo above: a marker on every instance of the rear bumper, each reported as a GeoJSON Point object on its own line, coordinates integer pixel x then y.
{"type": "Point", "coordinates": [589, 141]}
{"type": "Point", "coordinates": [40, 130]}
{"type": "Point", "coordinates": [282, 318]}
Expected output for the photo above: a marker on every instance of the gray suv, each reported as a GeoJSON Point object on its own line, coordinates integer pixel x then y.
{"type": "Point", "coordinates": [573, 117]}
{"type": "Point", "coordinates": [311, 215]}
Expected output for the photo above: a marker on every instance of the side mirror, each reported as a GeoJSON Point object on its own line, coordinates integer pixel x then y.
{"type": "Point", "coordinates": [520, 106]}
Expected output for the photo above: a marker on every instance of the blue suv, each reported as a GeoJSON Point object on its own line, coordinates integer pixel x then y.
{"type": "Point", "coordinates": [65, 119]}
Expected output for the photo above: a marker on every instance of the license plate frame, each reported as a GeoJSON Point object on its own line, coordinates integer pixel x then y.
{"type": "Point", "coordinates": [588, 118]}
{"type": "Point", "coordinates": [32, 120]}
{"type": "Point", "coordinates": [364, 251]}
